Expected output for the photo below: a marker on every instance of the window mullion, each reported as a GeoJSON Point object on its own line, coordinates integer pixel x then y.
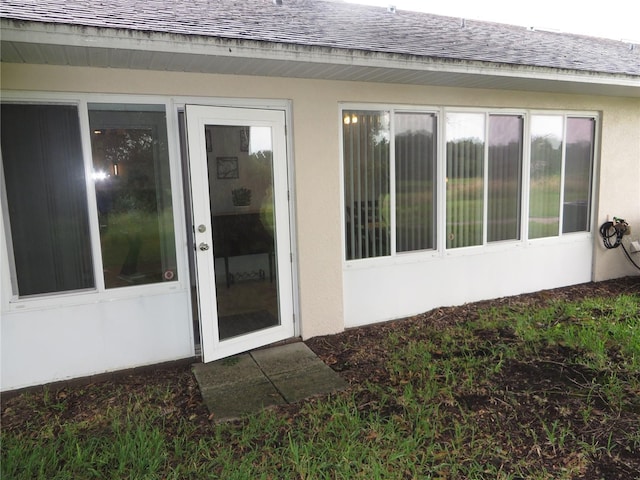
{"type": "Point", "coordinates": [94, 225]}
{"type": "Point", "coordinates": [392, 183]}
{"type": "Point", "coordinates": [485, 198]}
{"type": "Point", "coordinates": [562, 175]}
{"type": "Point", "coordinates": [6, 227]}
{"type": "Point", "coordinates": [595, 147]}
{"type": "Point", "coordinates": [441, 179]}
{"type": "Point", "coordinates": [526, 178]}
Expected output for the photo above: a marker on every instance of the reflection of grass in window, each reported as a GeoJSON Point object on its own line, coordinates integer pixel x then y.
{"type": "Point", "coordinates": [465, 199]}
{"type": "Point", "coordinates": [414, 208]}
{"type": "Point", "coordinates": [464, 205]}
{"type": "Point", "coordinates": [124, 230]}
{"type": "Point", "coordinates": [544, 206]}
{"type": "Point", "coordinates": [576, 189]}
{"type": "Point", "coordinates": [503, 210]}
{"type": "Point", "coordinates": [414, 216]}
{"type": "Point", "coordinates": [544, 197]}
{"type": "Point", "coordinates": [540, 230]}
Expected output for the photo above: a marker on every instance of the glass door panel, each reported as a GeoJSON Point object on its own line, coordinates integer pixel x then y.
{"type": "Point", "coordinates": [240, 173]}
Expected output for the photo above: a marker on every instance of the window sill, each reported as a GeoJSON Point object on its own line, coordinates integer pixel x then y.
{"type": "Point", "coordinates": [86, 297]}
{"type": "Point", "coordinates": [487, 249]}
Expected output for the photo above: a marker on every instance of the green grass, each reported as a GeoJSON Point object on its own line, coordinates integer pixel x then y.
{"type": "Point", "coordinates": [444, 403]}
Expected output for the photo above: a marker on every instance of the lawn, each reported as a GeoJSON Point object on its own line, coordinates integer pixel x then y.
{"type": "Point", "coordinates": [540, 386]}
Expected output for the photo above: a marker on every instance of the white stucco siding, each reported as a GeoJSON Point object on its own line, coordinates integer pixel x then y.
{"type": "Point", "coordinates": [390, 289]}
{"type": "Point", "coordinates": [46, 345]}
{"type": "Point", "coordinates": [332, 295]}
{"type": "Point", "coordinates": [619, 187]}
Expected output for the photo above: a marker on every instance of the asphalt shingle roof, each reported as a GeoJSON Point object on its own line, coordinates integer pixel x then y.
{"type": "Point", "coordinates": [334, 24]}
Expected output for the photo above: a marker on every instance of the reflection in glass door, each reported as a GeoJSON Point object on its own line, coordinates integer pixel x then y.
{"type": "Point", "coordinates": [241, 221]}
{"type": "Point", "coordinates": [240, 173]}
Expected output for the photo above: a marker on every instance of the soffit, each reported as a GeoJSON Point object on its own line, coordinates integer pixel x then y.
{"type": "Point", "coordinates": [36, 43]}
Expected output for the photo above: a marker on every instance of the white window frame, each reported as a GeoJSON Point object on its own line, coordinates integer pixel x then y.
{"type": "Point", "coordinates": [438, 114]}
{"type": "Point", "coordinates": [394, 256]}
{"type": "Point", "coordinates": [440, 251]}
{"type": "Point", "coordinates": [595, 165]}
{"type": "Point", "coordinates": [11, 301]}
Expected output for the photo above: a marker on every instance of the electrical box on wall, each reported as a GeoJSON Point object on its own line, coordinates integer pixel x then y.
{"type": "Point", "coordinates": [612, 233]}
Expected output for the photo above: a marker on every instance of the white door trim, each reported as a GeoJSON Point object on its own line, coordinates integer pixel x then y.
{"type": "Point", "coordinates": [197, 117]}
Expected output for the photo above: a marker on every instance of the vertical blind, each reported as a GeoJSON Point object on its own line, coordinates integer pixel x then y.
{"type": "Point", "coordinates": [366, 174]}
{"type": "Point", "coordinates": [415, 161]}
{"type": "Point", "coordinates": [504, 174]}
{"type": "Point", "coordinates": [47, 198]}
{"type": "Point", "coordinates": [465, 179]}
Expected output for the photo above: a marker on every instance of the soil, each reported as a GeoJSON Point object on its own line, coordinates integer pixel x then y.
{"type": "Point", "coordinates": [546, 389]}
{"type": "Point", "coordinates": [359, 357]}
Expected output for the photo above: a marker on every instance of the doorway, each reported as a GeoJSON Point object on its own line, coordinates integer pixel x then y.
{"type": "Point", "coordinates": [240, 211]}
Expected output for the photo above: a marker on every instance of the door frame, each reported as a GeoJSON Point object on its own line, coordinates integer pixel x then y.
{"type": "Point", "coordinates": [213, 350]}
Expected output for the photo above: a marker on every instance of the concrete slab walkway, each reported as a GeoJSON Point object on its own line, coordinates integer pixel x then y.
{"type": "Point", "coordinates": [237, 386]}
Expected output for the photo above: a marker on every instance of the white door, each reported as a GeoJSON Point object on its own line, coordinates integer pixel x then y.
{"type": "Point", "coordinates": [238, 168]}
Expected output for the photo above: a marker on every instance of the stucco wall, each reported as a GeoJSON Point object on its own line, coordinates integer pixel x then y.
{"type": "Point", "coordinates": [317, 151]}
{"type": "Point", "coordinates": [619, 193]}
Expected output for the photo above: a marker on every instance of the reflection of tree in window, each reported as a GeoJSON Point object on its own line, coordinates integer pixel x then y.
{"type": "Point", "coordinates": [260, 167]}
{"type": "Point", "coordinates": [465, 137]}
{"type": "Point", "coordinates": [131, 156]}
{"type": "Point", "coordinates": [546, 168]}
{"type": "Point", "coordinates": [130, 152]}
{"type": "Point", "coordinates": [133, 197]}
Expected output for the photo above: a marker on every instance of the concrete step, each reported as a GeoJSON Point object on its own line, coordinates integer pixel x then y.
{"type": "Point", "coordinates": [244, 384]}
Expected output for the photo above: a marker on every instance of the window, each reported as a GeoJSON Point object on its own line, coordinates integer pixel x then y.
{"type": "Point", "coordinates": [50, 227]}
{"type": "Point", "coordinates": [472, 182]}
{"type": "Point", "coordinates": [133, 193]}
{"type": "Point", "coordinates": [489, 170]}
{"type": "Point", "coordinates": [367, 185]}
{"type": "Point", "coordinates": [504, 177]}
{"type": "Point", "coordinates": [577, 174]}
{"type": "Point", "coordinates": [545, 171]}
{"type": "Point", "coordinates": [415, 157]}
{"type": "Point", "coordinates": [560, 174]}
{"type": "Point", "coordinates": [47, 198]}
{"type": "Point", "coordinates": [465, 134]}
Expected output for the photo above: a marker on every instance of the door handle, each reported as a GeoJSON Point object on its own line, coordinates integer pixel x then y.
{"type": "Point", "coordinates": [203, 246]}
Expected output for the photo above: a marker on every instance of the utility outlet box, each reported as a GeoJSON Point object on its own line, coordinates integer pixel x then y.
{"type": "Point", "coordinates": [635, 246]}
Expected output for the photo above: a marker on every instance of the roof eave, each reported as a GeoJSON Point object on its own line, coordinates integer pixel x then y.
{"type": "Point", "coordinates": [61, 44]}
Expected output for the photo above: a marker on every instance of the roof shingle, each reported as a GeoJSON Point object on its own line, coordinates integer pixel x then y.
{"type": "Point", "coordinates": [335, 24]}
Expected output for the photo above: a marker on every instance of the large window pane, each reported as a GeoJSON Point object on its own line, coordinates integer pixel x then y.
{"type": "Point", "coordinates": [133, 193]}
{"type": "Point", "coordinates": [577, 174]}
{"type": "Point", "coordinates": [465, 135]}
{"type": "Point", "coordinates": [415, 155]}
{"type": "Point", "coordinates": [504, 177]}
{"type": "Point", "coordinates": [366, 174]}
{"type": "Point", "coordinates": [546, 167]}
{"type": "Point", "coordinates": [47, 198]}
